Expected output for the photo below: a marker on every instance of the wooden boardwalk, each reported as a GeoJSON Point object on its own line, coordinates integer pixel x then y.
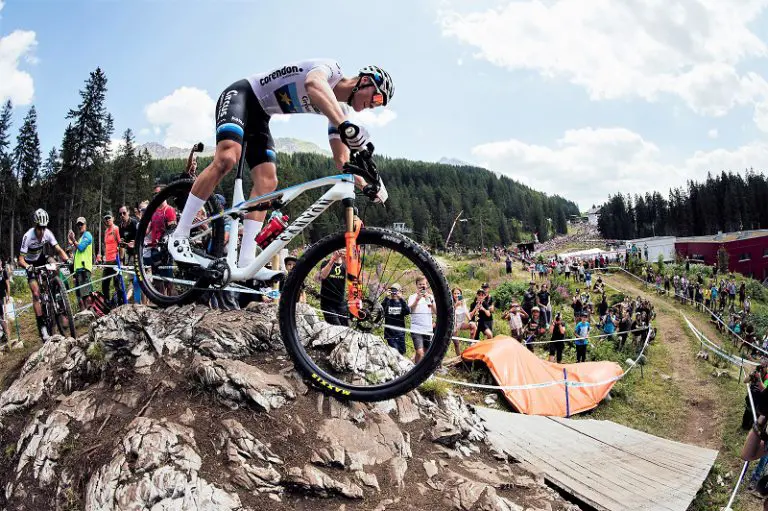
{"type": "Point", "coordinates": [606, 465]}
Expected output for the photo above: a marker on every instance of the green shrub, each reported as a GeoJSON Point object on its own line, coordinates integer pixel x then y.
{"type": "Point", "coordinates": [617, 298]}
{"type": "Point", "coordinates": [755, 290]}
{"type": "Point", "coordinates": [434, 388]}
{"type": "Point", "coordinates": [508, 291]}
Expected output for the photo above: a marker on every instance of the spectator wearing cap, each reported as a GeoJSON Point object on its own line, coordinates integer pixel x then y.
{"type": "Point", "coordinates": [290, 263]}
{"type": "Point", "coordinates": [516, 316]}
{"type": "Point", "coordinates": [395, 310]}
{"type": "Point", "coordinates": [582, 337]}
{"type": "Point", "coordinates": [82, 246]}
{"type": "Point", "coordinates": [534, 328]}
{"type": "Point", "coordinates": [111, 244]}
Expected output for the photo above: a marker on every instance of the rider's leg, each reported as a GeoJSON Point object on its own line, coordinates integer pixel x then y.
{"type": "Point", "coordinates": [264, 181]}
{"type": "Point", "coordinates": [224, 159]}
{"type": "Point", "coordinates": [34, 288]}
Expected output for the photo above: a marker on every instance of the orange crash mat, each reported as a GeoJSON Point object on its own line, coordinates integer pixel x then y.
{"type": "Point", "coordinates": [512, 364]}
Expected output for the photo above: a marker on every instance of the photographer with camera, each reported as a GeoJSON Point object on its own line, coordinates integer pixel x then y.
{"type": "Point", "coordinates": [556, 344]}
{"type": "Point", "coordinates": [756, 443]}
{"type": "Point", "coordinates": [756, 382]}
{"type": "Point", "coordinates": [516, 316]}
{"type": "Point", "coordinates": [395, 310]}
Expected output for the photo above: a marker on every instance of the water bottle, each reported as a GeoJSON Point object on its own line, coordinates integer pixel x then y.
{"type": "Point", "coordinates": [277, 224]}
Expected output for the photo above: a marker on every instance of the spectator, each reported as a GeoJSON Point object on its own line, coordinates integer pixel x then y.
{"type": "Point", "coordinates": [111, 243]}
{"type": "Point", "coordinates": [508, 263]}
{"type": "Point", "coordinates": [544, 301]}
{"type": "Point", "coordinates": [332, 276]}
{"type": "Point", "coordinates": [534, 329]}
{"type": "Point", "coordinates": [516, 317]}
{"type": "Point", "coordinates": [602, 308]}
{"type": "Point", "coordinates": [609, 323]}
{"type": "Point", "coordinates": [556, 344]}
{"type": "Point", "coordinates": [422, 306]}
{"type": "Point", "coordinates": [5, 298]}
{"type": "Point", "coordinates": [756, 382]}
{"type": "Point", "coordinates": [128, 227]}
{"type": "Point", "coordinates": [582, 334]}
{"type": "Point", "coordinates": [395, 310]}
{"type": "Point", "coordinates": [82, 246]}
{"type": "Point", "coordinates": [577, 305]}
{"type": "Point", "coordinates": [462, 321]}
{"type": "Point", "coordinates": [146, 253]}
{"type": "Point", "coordinates": [529, 298]}
{"type": "Point", "coordinates": [482, 314]}
{"type": "Point", "coordinates": [162, 221]}
{"type": "Point", "coordinates": [625, 325]}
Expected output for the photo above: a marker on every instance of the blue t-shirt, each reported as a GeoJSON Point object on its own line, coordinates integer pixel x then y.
{"type": "Point", "coordinates": [609, 327]}
{"type": "Point", "coordinates": [582, 330]}
{"type": "Point", "coordinates": [714, 293]}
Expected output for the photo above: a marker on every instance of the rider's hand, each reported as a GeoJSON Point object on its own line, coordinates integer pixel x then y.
{"type": "Point", "coordinates": [355, 137]}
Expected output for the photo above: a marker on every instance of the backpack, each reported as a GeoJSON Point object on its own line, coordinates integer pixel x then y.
{"type": "Point", "coordinates": [99, 304]}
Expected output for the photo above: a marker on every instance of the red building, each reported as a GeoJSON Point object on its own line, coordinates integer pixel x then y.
{"type": "Point", "coordinates": [747, 250]}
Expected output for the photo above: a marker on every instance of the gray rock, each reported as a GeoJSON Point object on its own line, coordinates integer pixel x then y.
{"type": "Point", "coordinates": [84, 318]}
{"type": "Point", "coordinates": [369, 357]}
{"type": "Point", "coordinates": [239, 383]}
{"type": "Point", "coordinates": [155, 466]}
{"type": "Point", "coordinates": [313, 480]}
{"type": "Point", "coordinates": [250, 461]}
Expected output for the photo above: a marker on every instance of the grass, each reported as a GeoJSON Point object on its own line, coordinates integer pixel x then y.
{"type": "Point", "coordinates": [644, 400]}
{"type": "Point", "coordinates": [435, 388]}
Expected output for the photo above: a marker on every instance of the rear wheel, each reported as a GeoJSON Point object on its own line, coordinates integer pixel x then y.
{"type": "Point", "coordinates": [354, 357]}
{"type": "Point", "coordinates": [164, 281]}
{"type": "Point", "coordinates": [62, 308]}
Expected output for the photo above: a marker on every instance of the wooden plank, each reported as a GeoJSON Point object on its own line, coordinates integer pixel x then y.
{"type": "Point", "coordinates": [606, 465]}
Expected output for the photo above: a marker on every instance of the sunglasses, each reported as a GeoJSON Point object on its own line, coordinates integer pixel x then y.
{"type": "Point", "coordinates": [378, 97]}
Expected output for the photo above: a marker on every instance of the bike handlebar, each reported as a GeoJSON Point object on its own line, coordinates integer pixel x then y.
{"type": "Point", "coordinates": [361, 163]}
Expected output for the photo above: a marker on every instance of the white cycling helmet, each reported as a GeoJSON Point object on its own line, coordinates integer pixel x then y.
{"type": "Point", "coordinates": [383, 82]}
{"type": "Point", "coordinates": [40, 217]}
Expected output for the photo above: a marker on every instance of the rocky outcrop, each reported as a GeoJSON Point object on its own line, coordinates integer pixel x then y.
{"type": "Point", "coordinates": [189, 408]}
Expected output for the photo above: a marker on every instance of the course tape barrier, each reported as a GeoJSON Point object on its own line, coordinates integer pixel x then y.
{"type": "Point", "coordinates": [552, 383]}
{"type": "Point", "coordinates": [718, 350]}
{"type": "Point", "coordinates": [590, 338]}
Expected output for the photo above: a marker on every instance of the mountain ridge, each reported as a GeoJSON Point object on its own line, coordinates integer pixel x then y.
{"type": "Point", "coordinates": [287, 145]}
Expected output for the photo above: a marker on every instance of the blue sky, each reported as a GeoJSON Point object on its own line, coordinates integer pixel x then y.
{"type": "Point", "coordinates": [577, 99]}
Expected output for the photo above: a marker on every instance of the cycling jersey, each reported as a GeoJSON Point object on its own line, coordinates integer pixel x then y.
{"type": "Point", "coordinates": [244, 109]}
{"type": "Point", "coordinates": [32, 247]}
{"type": "Point", "coordinates": [282, 90]}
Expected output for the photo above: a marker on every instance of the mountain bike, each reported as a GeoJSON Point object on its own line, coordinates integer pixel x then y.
{"type": "Point", "coordinates": [330, 313]}
{"type": "Point", "coordinates": [57, 311]}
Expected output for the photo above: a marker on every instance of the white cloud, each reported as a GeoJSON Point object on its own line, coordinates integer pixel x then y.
{"type": "Point", "coordinates": [712, 133]}
{"type": "Point", "coordinates": [17, 85]}
{"type": "Point", "coordinates": [586, 165]}
{"type": "Point", "coordinates": [692, 49]}
{"type": "Point", "coordinates": [184, 117]}
{"type": "Point", "coordinates": [371, 119]}
{"type": "Point", "coordinates": [460, 62]}
{"type": "Point", "coordinates": [761, 116]}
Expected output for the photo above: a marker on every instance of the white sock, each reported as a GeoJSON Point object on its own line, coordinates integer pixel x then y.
{"type": "Point", "coordinates": [248, 247]}
{"type": "Point", "coordinates": [193, 205]}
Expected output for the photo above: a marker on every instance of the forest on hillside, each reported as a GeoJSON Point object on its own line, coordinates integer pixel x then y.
{"type": "Point", "coordinates": [83, 177]}
{"type": "Point", "coordinates": [725, 202]}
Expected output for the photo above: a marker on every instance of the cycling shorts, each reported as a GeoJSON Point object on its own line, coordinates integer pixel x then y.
{"type": "Point", "coordinates": [240, 117]}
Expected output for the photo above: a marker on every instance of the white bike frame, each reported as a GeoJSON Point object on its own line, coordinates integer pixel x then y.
{"type": "Point", "coordinates": [342, 187]}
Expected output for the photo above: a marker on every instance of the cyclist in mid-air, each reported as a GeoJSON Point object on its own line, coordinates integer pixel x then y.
{"type": "Point", "coordinates": [31, 257]}
{"type": "Point", "coordinates": [243, 112]}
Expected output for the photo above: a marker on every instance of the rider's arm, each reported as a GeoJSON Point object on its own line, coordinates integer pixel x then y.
{"type": "Point", "coordinates": [22, 262]}
{"type": "Point", "coordinates": [340, 152]}
{"type": "Point", "coordinates": [62, 254]}
{"type": "Point", "coordinates": [321, 95]}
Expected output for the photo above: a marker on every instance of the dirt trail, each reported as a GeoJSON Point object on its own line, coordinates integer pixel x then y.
{"type": "Point", "coordinates": [705, 417]}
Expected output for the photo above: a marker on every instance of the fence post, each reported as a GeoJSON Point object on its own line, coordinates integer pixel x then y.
{"type": "Point", "coordinates": [741, 367]}
{"type": "Point", "coordinates": [567, 403]}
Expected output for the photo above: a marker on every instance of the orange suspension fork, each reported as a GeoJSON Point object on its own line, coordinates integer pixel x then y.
{"type": "Point", "coordinates": [352, 259]}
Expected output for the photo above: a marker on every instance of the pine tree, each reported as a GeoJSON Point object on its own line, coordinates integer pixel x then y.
{"type": "Point", "coordinates": [7, 183]}
{"type": "Point", "coordinates": [26, 169]}
{"type": "Point", "coordinates": [85, 149]}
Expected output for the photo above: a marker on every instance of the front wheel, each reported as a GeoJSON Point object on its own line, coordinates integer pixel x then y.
{"type": "Point", "coordinates": [61, 307]}
{"type": "Point", "coordinates": [398, 338]}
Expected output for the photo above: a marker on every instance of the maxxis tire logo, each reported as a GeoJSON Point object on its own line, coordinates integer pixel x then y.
{"type": "Point", "coordinates": [283, 71]}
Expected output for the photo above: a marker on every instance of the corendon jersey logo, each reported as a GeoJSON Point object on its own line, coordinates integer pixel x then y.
{"type": "Point", "coordinates": [283, 71]}
{"type": "Point", "coordinates": [225, 104]}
